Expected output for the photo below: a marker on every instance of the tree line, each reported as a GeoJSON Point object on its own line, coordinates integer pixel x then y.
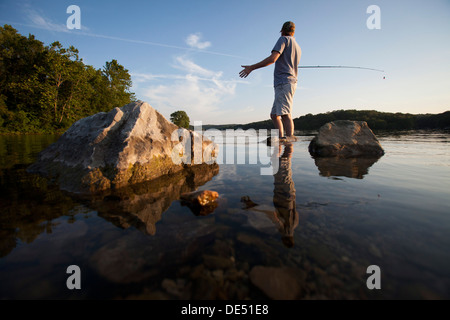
{"type": "Point", "coordinates": [377, 121]}
{"type": "Point", "coordinates": [45, 89]}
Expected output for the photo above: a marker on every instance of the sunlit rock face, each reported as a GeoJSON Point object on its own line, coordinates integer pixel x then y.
{"type": "Point", "coordinates": [344, 138]}
{"type": "Point", "coordinates": [127, 145]}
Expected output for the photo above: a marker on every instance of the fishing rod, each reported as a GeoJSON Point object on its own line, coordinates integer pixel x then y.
{"type": "Point", "coordinates": [348, 67]}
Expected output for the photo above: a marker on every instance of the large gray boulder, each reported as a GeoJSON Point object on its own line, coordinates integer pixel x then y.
{"type": "Point", "coordinates": [127, 145]}
{"type": "Point", "coordinates": [344, 138]}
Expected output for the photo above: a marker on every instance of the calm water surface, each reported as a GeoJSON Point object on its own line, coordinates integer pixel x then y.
{"type": "Point", "coordinates": [308, 232]}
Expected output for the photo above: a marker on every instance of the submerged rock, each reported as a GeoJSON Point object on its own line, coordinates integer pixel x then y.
{"type": "Point", "coordinates": [279, 283]}
{"type": "Point", "coordinates": [201, 203]}
{"type": "Point", "coordinates": [202, 198]}
{"type": "Point", "coordinates": [345, 138]}
{"type": "Point", "coordinates": [127, 145]}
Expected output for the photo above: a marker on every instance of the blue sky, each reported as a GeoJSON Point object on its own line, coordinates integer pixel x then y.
{"type": "Point", "coordinates": [186, 55]}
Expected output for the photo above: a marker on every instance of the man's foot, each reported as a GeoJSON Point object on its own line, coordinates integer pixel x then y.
{"type": "Point", "coordinates": [291, 139]}
{"type": "Point", "coordinates": [273, 140]}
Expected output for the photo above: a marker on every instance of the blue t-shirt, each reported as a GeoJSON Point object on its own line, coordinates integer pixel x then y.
{"type": "Point", "coordinates": [286, 67]}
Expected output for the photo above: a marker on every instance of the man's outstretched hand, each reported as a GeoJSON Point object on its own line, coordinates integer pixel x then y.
{"type": "Point", "coordinates": [247, 70]}
{"type": "Point", "coordinates": [264, 63]}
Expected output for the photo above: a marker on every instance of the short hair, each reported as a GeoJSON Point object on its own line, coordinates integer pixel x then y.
{"type": "Point", "coordinates": [288, 28]}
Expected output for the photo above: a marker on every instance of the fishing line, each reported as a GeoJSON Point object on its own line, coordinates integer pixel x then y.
{"type": "Point", "coordinates": [349, 67]}
{"type": "Point", "coordinates": [346, 67]}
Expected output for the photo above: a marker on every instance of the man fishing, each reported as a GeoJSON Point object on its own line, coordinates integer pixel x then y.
{"type": "Point", "coordinates": [286, 55]}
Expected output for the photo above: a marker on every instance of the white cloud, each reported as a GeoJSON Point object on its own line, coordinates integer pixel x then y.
{"type": "Point", "coordinates": [200, 99]}
{"type": "Point", "coordinates": [199, 91]}
{"type": "Point", "coordinates": [193, 40]}
{"type": "Point", "coordinates": [40, 21]}
{"type": "Point", "coordinates": [144, 77]}
{"type": "Point", "coordinates": [192, 68]}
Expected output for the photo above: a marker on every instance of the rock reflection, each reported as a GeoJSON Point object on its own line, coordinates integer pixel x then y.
{"type": "Point", "coordinates": [285, 216]}
{"type": "Point", "coordinates": [28, 204]}
{"type": "Point", "coordinates": [355, 168]}
{"type": "Point", "coordinates": [142, 205]}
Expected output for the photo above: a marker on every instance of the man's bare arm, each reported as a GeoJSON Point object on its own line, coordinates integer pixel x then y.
{"type": "Point", "coordinates": [264, 63]}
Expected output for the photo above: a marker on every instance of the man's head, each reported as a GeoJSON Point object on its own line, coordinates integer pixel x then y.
{"type": "Point", "coordinates": [288, 28]}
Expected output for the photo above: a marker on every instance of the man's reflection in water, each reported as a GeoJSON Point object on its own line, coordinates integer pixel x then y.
{"type": "Point", "coordinates": [285, 216]}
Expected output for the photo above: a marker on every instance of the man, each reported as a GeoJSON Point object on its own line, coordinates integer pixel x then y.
{"type": "Point", "coordinates": [286, 55]}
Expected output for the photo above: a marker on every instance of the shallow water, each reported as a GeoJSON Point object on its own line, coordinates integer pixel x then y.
{"type": "Point", "coordinates": [309, 232]}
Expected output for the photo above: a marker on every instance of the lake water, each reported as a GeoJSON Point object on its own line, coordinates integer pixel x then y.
{"type": "Point", "coordinates": [308, 232]}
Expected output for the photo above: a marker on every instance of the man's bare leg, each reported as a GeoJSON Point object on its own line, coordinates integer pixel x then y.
{"type": "Point", "coordinates": [278, 124]}
{"type": "Point", "coordinates": [288, 124]}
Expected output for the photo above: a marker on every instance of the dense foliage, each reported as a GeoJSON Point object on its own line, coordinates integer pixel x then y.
{"type": "Point", "coordinates": [180, 118]}
{"type": "Point", "coordinates": [376, 120]}
{"type": "Point", "coordinates": [47, 88]}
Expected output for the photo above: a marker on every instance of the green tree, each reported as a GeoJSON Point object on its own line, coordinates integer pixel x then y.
{"type": "Point", "coordinates": [47, 88]}
{"type": "Point", "coordinates": [180, 118]}
{"type": "Point", "coordinates": [18, 57]}
{"type": "Point", "coordinates": [119, 83]}
{"type": "Point", "coordinates": [61, 91]}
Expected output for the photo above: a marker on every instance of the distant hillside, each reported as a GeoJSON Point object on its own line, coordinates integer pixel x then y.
{"type": "Point", "coordinates": [376, 120]}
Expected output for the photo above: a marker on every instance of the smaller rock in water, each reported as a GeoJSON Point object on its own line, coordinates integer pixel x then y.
{"type": "Point", "coordinates": [202, 198]}
{"type": "Point", "coordinates": [200, 202]}
{"type": "Point", "coordinates": [248, 203]}
{"type": "Point", "coordinates": [284, 140]}
{"type": "Point", "coordinates": [344, 138]}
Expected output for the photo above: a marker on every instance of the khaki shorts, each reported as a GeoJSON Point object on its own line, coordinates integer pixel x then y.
{"type": "Point", "coordinates": [284, 97]}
